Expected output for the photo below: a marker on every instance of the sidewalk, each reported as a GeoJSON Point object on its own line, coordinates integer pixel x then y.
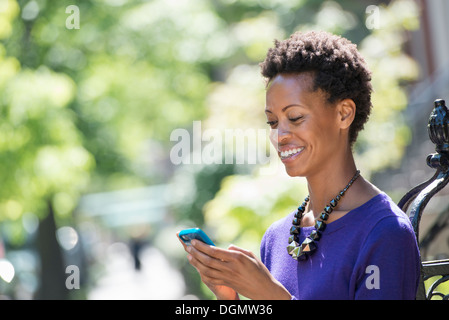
{"type": "Point", "coordinates": [155, 280]}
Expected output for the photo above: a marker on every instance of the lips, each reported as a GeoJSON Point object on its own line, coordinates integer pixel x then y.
{"type": "Point", "coordinates": [290, 152]}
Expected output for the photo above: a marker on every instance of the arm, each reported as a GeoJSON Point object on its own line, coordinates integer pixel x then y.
{"type": "Point", "coordinates": [388, 267]}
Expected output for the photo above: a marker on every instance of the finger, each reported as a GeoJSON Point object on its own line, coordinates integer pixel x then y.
{"type": "Point", "coordinates": [212, 251]}
{"type": "Point", "coordinates": [235, 248]}
{"type": "Point", "coordinates": [207, 261]}
{"type": "Point", "coordinates": [182, 242]}
{"type": "Point", "coordinates": [207, 272]}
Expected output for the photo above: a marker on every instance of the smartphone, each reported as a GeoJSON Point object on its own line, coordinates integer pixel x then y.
{"type": "Point", "coordinates": [188, 235]}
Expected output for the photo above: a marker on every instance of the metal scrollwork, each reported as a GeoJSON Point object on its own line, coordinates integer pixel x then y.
{"type": "Point", "coordinates": [432, 291]}
{"type": "Point", "coordinates": [418, 197]}
{"type": "Point", "coordinates": [436, 278]}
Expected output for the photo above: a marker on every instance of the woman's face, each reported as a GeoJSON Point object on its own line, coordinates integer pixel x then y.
{"type": "Point", "coordinates": [307, 126]}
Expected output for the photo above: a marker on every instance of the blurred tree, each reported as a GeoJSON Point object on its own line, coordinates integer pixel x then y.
{"type": "Point", "coordinates": [44, 164]}
{"type": "Point", "coordinates": [86, 109]}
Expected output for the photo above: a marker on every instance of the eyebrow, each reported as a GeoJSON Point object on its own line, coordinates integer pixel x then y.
{"type": "Point", "coordinates": [286, 107]}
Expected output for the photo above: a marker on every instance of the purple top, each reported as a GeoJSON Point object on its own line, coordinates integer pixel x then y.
{"type": "Point", "coordinates": [369, 253]}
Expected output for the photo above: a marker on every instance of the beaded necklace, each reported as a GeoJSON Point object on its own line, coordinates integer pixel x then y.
{"type": "Point", "coordinates": [308, 246]}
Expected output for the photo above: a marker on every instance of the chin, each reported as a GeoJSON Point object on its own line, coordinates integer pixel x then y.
{"type": "Point", "coordinates": [294, 172]}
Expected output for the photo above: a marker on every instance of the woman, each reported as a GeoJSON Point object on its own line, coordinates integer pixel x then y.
{"type": "Point", "coordinates": [347, 239]}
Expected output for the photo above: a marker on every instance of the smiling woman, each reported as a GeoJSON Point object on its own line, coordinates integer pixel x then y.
{"type": "Point", "coordinates": [318, 99]}
{"type": "Point", "coordinates": [347, 234]}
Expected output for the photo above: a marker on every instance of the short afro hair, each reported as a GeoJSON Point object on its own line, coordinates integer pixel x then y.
{"type": "Point", "coordinates": [339, 69]}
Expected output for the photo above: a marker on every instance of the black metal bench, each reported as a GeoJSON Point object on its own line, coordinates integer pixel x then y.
{"type": "Point", "coordinates": [434, 282]}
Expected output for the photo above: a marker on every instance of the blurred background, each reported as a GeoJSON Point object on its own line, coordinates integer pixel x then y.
{"type": "Point", "coordinates": [91, 92]}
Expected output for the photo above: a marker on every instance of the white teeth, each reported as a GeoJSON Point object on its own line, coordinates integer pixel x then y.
{"type": "Point", "coordinates": [287, 153]}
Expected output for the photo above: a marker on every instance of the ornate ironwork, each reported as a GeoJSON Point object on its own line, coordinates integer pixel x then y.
{"type": "Point", "coordinates": [439, 224]}
{"type": "Point", "coordinates": [436, 276]}
{"type": "Point", "coordinates": [418, 197]}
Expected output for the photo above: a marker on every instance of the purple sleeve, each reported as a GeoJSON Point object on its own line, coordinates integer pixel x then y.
{"type": "Point", "coordinates": [262, 250]}
{"type": "Point", "coordinates": [265, 254]}
{"type": "Point", "coordinates": [388, 267]}
{"type": "Point", "coordinates": [265, 248]}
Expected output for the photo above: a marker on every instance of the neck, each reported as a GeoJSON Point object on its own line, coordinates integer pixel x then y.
{"type": "Point", "coordinates": [328, 182]}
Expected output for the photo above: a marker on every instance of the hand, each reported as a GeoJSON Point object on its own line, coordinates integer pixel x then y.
{"type": "Point", "coordinates": [221, 292]}
{"type": "Point", "coordinates": [237, 269]}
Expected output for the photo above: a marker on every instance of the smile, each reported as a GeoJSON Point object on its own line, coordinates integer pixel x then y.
{"type": "Point", "coordinates": [290, 153]}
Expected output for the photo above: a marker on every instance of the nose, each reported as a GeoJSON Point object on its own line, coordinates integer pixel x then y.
{"type": "Point", "coordinates": [283, 131]}
{"type": "Point", "coordinates": [279, 136]}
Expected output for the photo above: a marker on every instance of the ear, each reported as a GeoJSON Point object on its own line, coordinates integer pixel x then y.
{"type": "Point", "coordinates": [346, 111]}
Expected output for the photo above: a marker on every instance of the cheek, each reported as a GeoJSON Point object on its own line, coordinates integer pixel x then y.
{"type": "Point", "coordinates": [316, 135]}
{"type": "Point", "coordinates": [327, 140]}
{"type": "Point", "coordinates": [274, 137]}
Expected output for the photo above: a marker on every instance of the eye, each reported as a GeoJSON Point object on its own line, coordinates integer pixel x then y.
{"type": "Point", "coordinates": [271, 123]}
{"type": "Point", "coordinates": [295, 119]}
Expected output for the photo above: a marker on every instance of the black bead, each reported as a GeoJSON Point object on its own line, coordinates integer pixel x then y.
{"type": "Point", "coordinates": [308, 245]}
{"type": "Point", "coordinates": [296, 221]}
{"type": "Point", "coordinates": [328, 209]}
{"type": "Point", "coordinates": [324, 216]}
{"type": "Point", "coordinates": [333, 203]}
{"type": "Point", "coordinates": [302, 257]}
{"type": "Point", "coordinates": [320, 226]}
{"type": "Point", "coordinates": [293, 245]}
{"type": "Point", "coordinates": [301, 209]}
{"type": "Point", "coordinates": [298, 254]}
{"type": "Point", "coordinates": [294, 229]}
{"type": "Point", "coordinates": [315, 235]}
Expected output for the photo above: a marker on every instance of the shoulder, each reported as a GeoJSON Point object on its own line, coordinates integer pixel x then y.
{"type": "Point", "coordinates": [392, 209]}
{"type": "Point", "coordinates": [382, 206]}
{"type": "Point", "coordinates": [277, 232]}
{"type": "Point", "coordinates": [389, 242]}
{"type": "Point", "coordinates": [276, 235]}
{"type": "Point", "coordinates": [388, 222]}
